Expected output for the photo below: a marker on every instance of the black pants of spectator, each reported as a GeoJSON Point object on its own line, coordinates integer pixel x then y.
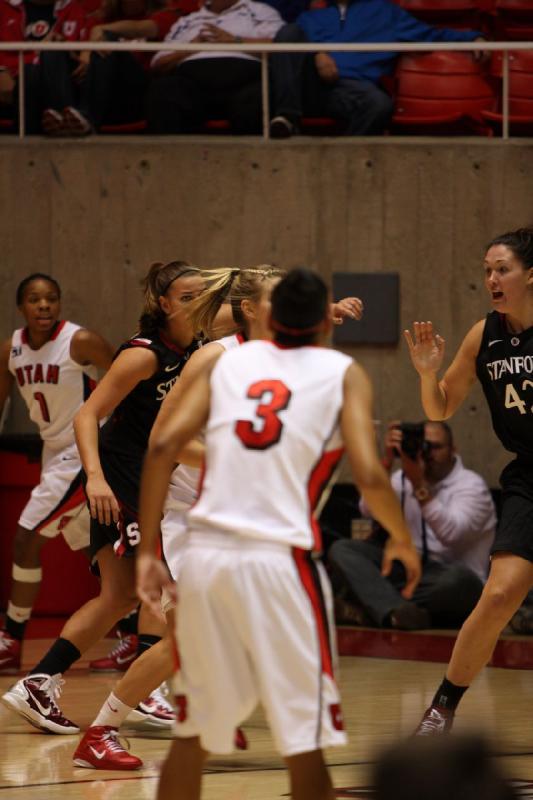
{"type": "Point", "coordinates": [114, 89]}
{"type": "Point", "coordinates": [207, 88]}
{"type": "Point", "coordinates": [48, 84]}
{"type": "Point", "coordinates": [448, 592]}
{"type": "Point", "coordinates": [297, 90]}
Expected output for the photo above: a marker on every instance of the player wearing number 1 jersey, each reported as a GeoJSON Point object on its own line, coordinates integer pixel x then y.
{"type": "Point", "coordinates": [498, 351]}
{"type": "Point", "coordinates": [54, 366]}
{"type": "Point", "coordinates": [130, 393]}
{"type": "Point", "coordinates": [252, 621]}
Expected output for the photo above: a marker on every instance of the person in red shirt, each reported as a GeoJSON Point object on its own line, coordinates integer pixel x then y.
{"type": "Point", "coordinates": [50, 78]}
{"type": "Point", "coordinates": [116, 83]}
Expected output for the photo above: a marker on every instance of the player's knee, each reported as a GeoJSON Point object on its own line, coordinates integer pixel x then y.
{"type": "Point", "coordinates": [27, 547]}
{"type": "Point", "coordinates": [499, 600]}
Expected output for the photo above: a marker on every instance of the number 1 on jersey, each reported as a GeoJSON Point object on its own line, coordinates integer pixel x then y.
{"type": "Point", "coordinates": [267, 408]}
{"type": "Point", "coordinates": [41, 399]}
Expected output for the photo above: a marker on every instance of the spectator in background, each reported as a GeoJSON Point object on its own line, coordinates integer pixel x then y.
{"type": "Point", "coordinates": [51, 79]}
{"type": "Point", "coordinates": [190, 88]}
{"type": "Point", "coordinates": [451, 517]}
{"type": "Point", "coordinates": [345, 86]}
{"type": "Point", "coordinates": [116, 83]}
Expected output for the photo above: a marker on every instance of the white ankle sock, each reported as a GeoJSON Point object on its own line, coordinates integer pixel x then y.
{"type": "Point", "coordinates": [113, 712]}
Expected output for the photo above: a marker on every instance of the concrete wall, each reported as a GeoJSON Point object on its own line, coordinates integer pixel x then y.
{"type": "Point", "coordinates": [94, 214]}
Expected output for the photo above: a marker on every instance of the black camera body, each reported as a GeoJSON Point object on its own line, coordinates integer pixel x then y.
{"type": "Point", "coordinates": [413, 439]}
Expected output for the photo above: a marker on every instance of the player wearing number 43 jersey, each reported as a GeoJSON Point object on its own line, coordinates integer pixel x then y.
{"type": "Point", "coordinates": [250, 594]}
{"type": "Point", "coordinates": [499, 352]}
{"type": "Point", "coordinates": [54, 366]}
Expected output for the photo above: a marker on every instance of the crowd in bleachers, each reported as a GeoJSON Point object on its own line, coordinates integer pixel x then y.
{"type": "Point", "coordinates": [79, 93]}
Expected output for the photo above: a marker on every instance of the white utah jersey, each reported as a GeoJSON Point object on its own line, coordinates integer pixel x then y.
{"type": "Point", "coordinates": [272, 442]}
{"type": "Point", "coordinates": [52, 385]}
{"type": "Point", "coordinates": [183, 488]}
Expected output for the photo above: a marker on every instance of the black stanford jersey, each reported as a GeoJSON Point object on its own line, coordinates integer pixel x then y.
{"type": "Point", "coordinates": [504, 366]}
{"type": "Point", "coordinates": [129, 426]}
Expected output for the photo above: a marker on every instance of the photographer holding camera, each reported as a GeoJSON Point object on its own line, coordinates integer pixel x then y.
{"type": "Point", "coordinates": [451, 516]}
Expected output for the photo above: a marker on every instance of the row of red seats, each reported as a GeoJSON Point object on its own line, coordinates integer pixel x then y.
{"type": "Point", "coordinates": [500, 19]}
{"type": "Point", "coordinates": [449, 92]}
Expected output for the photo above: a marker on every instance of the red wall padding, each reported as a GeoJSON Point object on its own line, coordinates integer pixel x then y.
{"type": "Point", "coordinates": [67, 582]}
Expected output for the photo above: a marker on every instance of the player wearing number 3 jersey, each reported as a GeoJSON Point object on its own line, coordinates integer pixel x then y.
{"type": "Point", "coordinates": [54, 365]}
{"type": "Point", "coordinates": [499, 352]}
{"type": "Point", "coordinates": [252, 622]}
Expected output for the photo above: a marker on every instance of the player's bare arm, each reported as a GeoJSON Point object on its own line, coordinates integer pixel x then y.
{"type": "Point", "coordinates": [6, 378]}
{"type": "Point", "coordinates": [189, 417]}
{"type": "Point", "coordinates": [87, 347]}
{"type": "Point", "coordinates": [204, 359]}
{"type": "Point", "coordinates": [371, 478]}
{"type": "Point", "coordinates": [130, 367]}
{"type": "Point", "coordinates": [441, 399]}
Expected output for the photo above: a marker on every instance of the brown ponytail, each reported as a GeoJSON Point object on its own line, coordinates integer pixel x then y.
{"type": "Point", "coordinates": [155, 285]}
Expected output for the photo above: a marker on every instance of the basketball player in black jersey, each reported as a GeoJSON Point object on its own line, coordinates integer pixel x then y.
{"type": "Point", "coordinates": [498, 351]}
{"type": "Point", "coordinates": [140, 376]}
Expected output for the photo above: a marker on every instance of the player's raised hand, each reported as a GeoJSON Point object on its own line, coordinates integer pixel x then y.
{"type": "Point", "coordinates": [347, 308]}
{"type": "Point", "coordinates": [407, 554]}
{"type": "Point", "coordinates": [426, 347]}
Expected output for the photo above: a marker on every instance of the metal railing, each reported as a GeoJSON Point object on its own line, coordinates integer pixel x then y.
{"type": "Point", "coordinates": [263, 50]}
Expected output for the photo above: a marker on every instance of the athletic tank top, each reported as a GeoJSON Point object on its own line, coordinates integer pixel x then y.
{"type": "Point", "coordinates": [52, 385]}
{"type": "Point", "coordinates": [272, 442]}
{"type": "Point", "coordinates": [127, 430]}
{"type": "Point", "coordinates": [184, 480]}
{"type": "Point", "coordinates": [504, 366]}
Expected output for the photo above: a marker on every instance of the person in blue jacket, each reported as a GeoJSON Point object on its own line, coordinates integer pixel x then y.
{"type": "Point", "coordinates": [345, 86]}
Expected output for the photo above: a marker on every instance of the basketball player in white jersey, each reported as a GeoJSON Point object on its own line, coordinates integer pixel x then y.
{"type": "Point", "coordinates": [246, 292]}
{"type": "Point", "coordinates": [251, 621]}
{"type": "Point", "coordinates": [249, 289]}
{"type": "Point", "coordinates": [54, 365]}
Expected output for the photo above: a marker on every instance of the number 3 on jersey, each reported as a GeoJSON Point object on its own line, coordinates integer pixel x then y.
{"type": "Point", "coordinates": [273, 396]}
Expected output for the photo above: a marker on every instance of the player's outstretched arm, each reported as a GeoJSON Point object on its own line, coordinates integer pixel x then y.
{"type": "Point", "coordinates": [188, 417]}
{"type": "Point", "coordinates": [441, 399]}
{"type": "Point", "coordinates": [370, 476]}
{"type": "Point", "coordinates": [130, 367]}
{"type": "Point", "coordinates": [6, 378]}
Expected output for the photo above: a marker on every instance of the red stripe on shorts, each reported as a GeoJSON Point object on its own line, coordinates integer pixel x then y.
{"type": "Point", "coordinates": [77, 498]}
{"type": "Point", "coordinates": [309, 577]}
{"type": "Point", "coordinates": [318, 480]}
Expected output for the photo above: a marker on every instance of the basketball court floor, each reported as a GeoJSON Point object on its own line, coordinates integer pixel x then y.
{"type": "Point", "coordinates": [383, 698]}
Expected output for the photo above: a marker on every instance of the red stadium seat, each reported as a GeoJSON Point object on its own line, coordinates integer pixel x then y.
{"type": "Point", "coordinates": [460, 14]}
{"type": "Point", "coordinates": [520, 94]}
{"type": "Point", "coordinates": [139, 126]}
{"type": "Point", "coordinates": [442, 93]}
{"type": "Point", "coordinates": [514, 20]}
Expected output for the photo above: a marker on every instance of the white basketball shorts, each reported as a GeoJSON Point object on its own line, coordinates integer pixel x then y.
{"type": "Point", "coordinates": [252, 627]}
{"type": "Point", "coordinates": [173, 539]}
{"type": "Point", "coordinates": [57, 504]}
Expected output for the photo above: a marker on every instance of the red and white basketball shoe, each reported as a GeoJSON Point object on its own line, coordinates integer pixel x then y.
{"type": "Point", "coordinates": [101, 749]}
{"type": "Point", "coordinates": [153, 714]}
{"type": "Point", "coordinates": [34, 698]}
{"type": "Point", "coordinates": [9, 654]}
{"type": "Point", "coordinates": [435, 722]}
{"type": "Point", "coordinates": [119, 658]}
